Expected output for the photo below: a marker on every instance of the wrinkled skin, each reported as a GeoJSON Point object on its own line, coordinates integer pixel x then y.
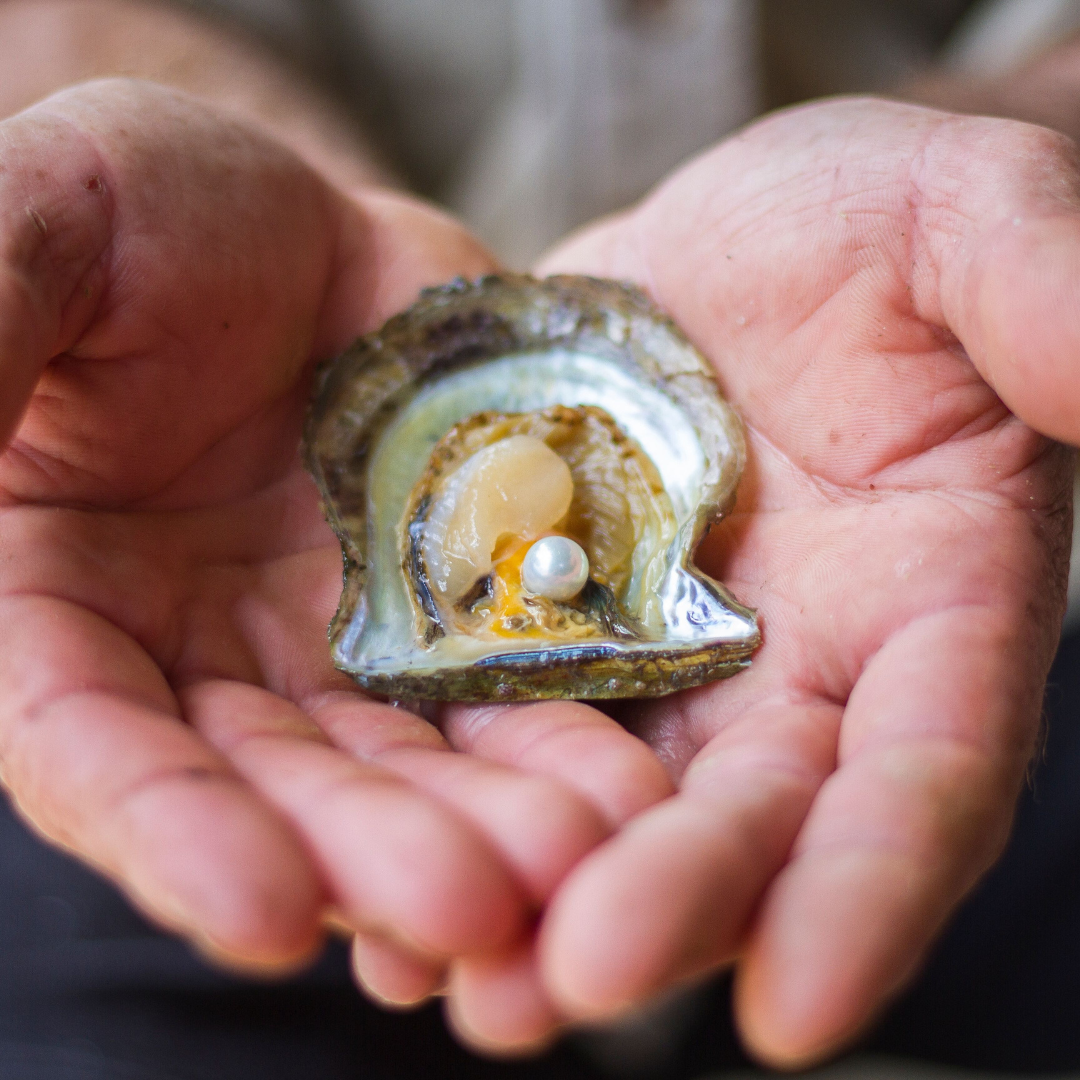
{"type": "Point", "coordinates": [168, 710]}
{"type": "Point", "coordinates": [902, 534]}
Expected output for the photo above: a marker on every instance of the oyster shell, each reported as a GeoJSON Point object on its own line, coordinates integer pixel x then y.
{"type": "Point", "coordinates": [492, 414]}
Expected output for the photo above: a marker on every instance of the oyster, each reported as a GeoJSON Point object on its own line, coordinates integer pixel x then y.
{"type": "Point", "coordinates": [519, 472]}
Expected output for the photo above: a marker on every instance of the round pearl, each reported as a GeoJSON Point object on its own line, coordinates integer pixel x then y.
{"type": "Point", "coordinates": [555, 567]}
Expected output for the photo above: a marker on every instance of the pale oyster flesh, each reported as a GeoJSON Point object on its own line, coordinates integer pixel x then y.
{"type": "Point", "coordinates": [510, 387]}
{"type": "Point", "coordinates": [513, 486]}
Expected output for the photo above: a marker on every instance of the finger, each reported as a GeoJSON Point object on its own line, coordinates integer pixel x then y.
{"type": "Point", "coordinates": [935, 740]}
{"type": "Point", "coordinates": [391, 247]}
{"type": "Point", "coordinates": [396, 862]}
{"type": "Point", "coordinates": [998, 259]}
{"type": "Point", "coordinates": [542, 828]}
{"type": "Point", "coordinates": [672, 894]}
{"type": "Point", "coordinates": [178, 310]}
{"type": "Point", "coordinates": [571, 742]}
{"type": "Point", "coordinates": [52, 235]}
{"type": "Point", "coordinates": [392, 975]}
{"type": "Point", "coordinates": [97, 759]}
{"type": "Point", "coordinates": [498, 1004]}
{"type": "Point", "coordinates": [539, 826]}
{"type": "Point", "coordinates": [604, 246]}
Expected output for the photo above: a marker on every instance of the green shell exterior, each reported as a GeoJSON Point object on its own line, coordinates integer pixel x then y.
{"type": "Point", "coordinates": [465, 324]}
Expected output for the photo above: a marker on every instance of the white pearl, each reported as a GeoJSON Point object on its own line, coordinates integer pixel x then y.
{"type": "Point", "coordinates": [555, 567]}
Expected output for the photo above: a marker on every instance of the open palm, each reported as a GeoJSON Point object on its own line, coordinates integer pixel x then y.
{"type": "Point", "coordinates": [850, 269]}
{"type": "Point", "coordinates": [167, 705]}
{"type": "Point", "coordinates": [167, 709]}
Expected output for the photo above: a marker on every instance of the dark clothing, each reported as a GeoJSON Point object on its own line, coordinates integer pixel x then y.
{"type": "Point", "coordinates": [88, 991]}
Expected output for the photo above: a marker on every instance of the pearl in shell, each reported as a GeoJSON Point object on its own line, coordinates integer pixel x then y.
{"type": "Point", "coordinates": [555, 567]}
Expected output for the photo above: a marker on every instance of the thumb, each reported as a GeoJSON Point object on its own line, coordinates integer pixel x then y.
{"type": "Point", "coordinates": [1006, 240]}
{"type": "Point", "coordinates": [391, 247]}
{"type": "Point", "coordinates": [1023, 320]}
{"type": "Point", "coordinates": [54, 230]}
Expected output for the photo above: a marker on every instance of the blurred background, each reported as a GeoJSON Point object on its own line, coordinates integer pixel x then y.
{"type": "Point", "coordinates": [529, 118]}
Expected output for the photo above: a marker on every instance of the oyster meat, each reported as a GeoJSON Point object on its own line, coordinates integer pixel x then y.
{"type": "Point", "coordinates": [519, 472]}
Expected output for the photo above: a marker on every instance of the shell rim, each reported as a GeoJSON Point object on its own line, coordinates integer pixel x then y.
{"type": "Point", "coordinates": [434, 334]}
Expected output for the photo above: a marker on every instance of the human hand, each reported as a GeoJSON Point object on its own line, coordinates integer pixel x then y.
{"type": "Point", "coordinates": [167, 706]}
{"type": "Point", "coordinates": [903, 535]}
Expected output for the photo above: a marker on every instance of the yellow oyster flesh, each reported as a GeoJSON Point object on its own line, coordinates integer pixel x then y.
{"type": "Point", "coordinates": [496, 482]}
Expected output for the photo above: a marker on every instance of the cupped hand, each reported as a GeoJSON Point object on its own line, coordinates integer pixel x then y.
{"type": "Point", "coordinates": [168, 710]}
{"type": "Point", "coordinates": [863, 275]}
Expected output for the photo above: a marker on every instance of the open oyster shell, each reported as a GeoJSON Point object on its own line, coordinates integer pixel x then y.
{"type": "Point", "coordinates": [570, 375]}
